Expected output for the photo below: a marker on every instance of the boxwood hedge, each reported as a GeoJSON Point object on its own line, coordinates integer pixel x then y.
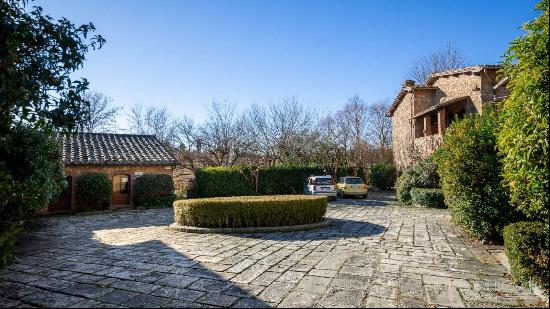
{"type": "Point", "coordinates": [240, 181]}
{"type": "Point", "coordinates": [250, 211]}
{"type": "Point", "coordinates": [527, 249]}
{"type": "Point", "coordinates": [221, 181]}
{"type": "Point", "coordinates": [154, 190]}
{"type": "Point", "coordinates": [422, 175]}
{"type": "Point", "coordinates": [93, 191]}
{"type": "Point", "coordinates": [428, 197]}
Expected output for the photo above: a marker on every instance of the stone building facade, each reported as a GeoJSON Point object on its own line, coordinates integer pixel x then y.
{"type": "Point", "coordinates": [122, 157]}
{"type": "Point", "coordinates": [421, 113]}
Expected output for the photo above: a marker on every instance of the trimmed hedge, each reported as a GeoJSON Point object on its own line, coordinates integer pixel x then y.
{"type": "Point", "coordinates": [250, 211]}
{"type": "Point", "coordinates": [284, 179]}
{"type": "Point", "coordinates": [93, 191]}
{"type": "Point", "coordinates": [421, 175]}
{"type": "Point", "coordinates": [470, 172]}
{"type": "Point", "coordinates": [221, 181]}
{"type": "Point", "coordinates": [154, 190]}
{"type": "Point", "coordinates": [428, 197]}
{"type": "Point", "coordinates": [382, 176]}
{"type": "Point", "coordinates": [528, 250]}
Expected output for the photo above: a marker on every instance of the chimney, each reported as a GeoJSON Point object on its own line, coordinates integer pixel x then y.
{"type": "Point", "coordinates": [408, 83]}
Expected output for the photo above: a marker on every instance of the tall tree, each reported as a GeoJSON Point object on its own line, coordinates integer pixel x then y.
{"type": "Point", "coordinates": [282, 131]}
{"type": "Point", "coordinates": [100, 115]}
{"type": "Point", "coordinates": [223, 135]}
{"type": "Point", "coordinates": [445, 59]}
{"type": "Point", "coordinates": [523, 134]}
{"type": "Point", "coordinates": [37, 56]}
{"type": "Point", "coordinates": [379, 126]}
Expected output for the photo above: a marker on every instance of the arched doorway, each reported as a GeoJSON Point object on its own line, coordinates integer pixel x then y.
{"type": "Point", "coordinates": [121, 189]}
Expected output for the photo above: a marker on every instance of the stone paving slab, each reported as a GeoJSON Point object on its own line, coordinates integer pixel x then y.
{"type": "Point", "coordinates": [375, 254]}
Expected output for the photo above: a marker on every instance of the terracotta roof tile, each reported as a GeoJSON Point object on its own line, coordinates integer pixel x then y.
{"type": "Point", "coordinates": [115, 149]}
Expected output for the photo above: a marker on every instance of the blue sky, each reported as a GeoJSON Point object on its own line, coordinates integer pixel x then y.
{"type": "Point", "coordinates": [184, 54]}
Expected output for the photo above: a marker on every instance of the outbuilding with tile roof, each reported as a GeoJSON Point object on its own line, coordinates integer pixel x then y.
{"type": "Point", "coordinates": [122, 157]}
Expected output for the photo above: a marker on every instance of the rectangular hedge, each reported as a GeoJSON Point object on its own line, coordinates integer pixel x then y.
{"type": "Point", "coordinates": [222, 181]}
{"type": "Point", "coordinates": [250, 211]}
{"type": "Point", "coordinates": [285, 179]}
{"type": "Point", "coordinates": [236, 181]}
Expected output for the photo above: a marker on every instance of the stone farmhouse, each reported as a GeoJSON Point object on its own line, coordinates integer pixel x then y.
{"type": "Point", "coordinates": [421, 113]}
{"type": "Point", "coordinates": [123, 157]}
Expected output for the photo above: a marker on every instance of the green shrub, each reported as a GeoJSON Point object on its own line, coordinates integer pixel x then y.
{"type": "Point", "coordinates": [422, 175]}
{"type": "Point", "coordinates": [428, 197]}
{"type": "Point", "coordinates": [154, 190]}
{"type": "Point", "coordinates": [523, 134]}
{"type": "Point", "coordinates": [93, 191]}
{"type": "Point", "coordinates": [239, 180]}
{"type": "Point", "coordinates": [284, 179]}
{"type": "Point", "coordinates": [221, 181]}
{"type": "Point", "coordinates": [405, 183]}
{"type": "Point", "coordinates": [528, 250]}
{"type": "Point", "coordinates": [31, 176]}
{"type": "Point", "coordinates": [470, 172]}
{"type": "Point", "coordinates": [348, 171]}
{"type": "Point", "coordinates": [382, 176]}
{"type": "Point", "coordinates": [250, 211]}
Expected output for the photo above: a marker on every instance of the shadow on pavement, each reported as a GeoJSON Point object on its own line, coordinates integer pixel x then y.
{"type": "Point", "coordinates": [62, 263]}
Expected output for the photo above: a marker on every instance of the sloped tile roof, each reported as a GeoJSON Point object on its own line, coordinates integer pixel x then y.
{"type": "Point", "coordinates": [433, 77]}
{"type": "Point", "coordinates": [115, 149]}
{"type": "Point", "coordinates": [472, 69]}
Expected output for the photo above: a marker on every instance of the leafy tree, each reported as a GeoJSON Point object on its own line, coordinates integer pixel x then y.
{"type": "Point", "coordinates": [37, 57]}
{"type": "Point", "coordinates": [523, 135]}
{"type": "Point", "coordinates": [37, 96]}
{"type": "Point", "coordinates": [30, 177]}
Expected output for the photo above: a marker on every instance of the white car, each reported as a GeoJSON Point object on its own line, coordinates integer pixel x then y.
{"type": "Point", "coordinates": [320, 185]}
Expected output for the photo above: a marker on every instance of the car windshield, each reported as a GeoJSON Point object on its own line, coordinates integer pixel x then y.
{"type": "Point", "coordinates": [354, 181]}
{"type": "Point", "coordinates": [323, 181]}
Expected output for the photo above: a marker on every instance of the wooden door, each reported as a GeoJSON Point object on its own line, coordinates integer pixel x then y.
{"type": "Point", "coordinates": [121, 189]}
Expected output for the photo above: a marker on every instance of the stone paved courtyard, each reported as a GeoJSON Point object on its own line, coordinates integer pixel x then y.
{"type": "Point", "coordinates": [377, 254]}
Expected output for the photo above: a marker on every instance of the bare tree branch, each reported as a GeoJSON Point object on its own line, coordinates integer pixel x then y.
{"type": "Point", "coordinates": [445, 59]}
{"type": "Point", "coordinates": [100, 116]}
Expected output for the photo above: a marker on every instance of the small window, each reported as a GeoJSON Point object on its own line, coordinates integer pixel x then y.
{"type": "Point", "coordinates": [324, 181]}
{"type": "Point", "coordinates": [354, 181]}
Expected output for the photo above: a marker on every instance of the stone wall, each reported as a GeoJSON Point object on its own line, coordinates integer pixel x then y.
{"type": "Point", "coordinates": [477, 86]}
{"type": "Point", "coordinates": [402, 132]}
{"type": "Point", "coordinates": [451, 87]}
{"type": "Point", "coordinates": [133, 171]}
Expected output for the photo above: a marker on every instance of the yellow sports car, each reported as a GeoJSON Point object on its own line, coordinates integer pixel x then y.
{"type": "Point", "coordinates": [351, 186]}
